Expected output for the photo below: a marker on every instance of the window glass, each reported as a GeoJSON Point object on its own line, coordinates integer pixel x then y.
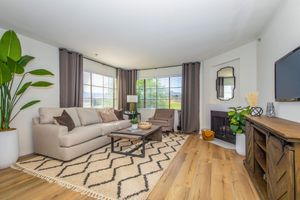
{"type": "Point", "coordinates": [99, 91]}
{"type": "Point", "coordinates": [175, 81]}
{"type": "Point", "coordinates": [175, 93]}
{"type": "Point", "coordinates": [151, 93]}
{"type": "Point", "coordinates": [162, 92]}
{"type": "Point", "coordinates": [86, 102]}
{"type": "Point", "coordinates": [162, 82]}
{"type": "Point", "coordinates": [97, 80]}
{"type": "Point", "coordinates": [87, 78]}
{"type": "Point", "coordinates": [151, 83]}
{"type": "Point", "coordinates": [86, 91]}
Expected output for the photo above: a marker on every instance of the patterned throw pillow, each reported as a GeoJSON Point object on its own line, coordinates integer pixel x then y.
{"type": "Point", "coordinates": [108, 116]}
{"type": "Point", "coordinates": [65, 120]}
{"type": "Point", "coordinates": [119, 114]}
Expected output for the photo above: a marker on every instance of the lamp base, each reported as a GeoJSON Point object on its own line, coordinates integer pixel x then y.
{"type": "Point", "coordinates": [132, 107]}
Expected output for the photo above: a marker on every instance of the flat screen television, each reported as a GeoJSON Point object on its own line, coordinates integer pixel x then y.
{"type": "Point", "coordinates": [287, 77]}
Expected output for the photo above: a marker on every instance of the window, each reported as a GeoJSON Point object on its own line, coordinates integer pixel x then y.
{"type": "Point", "coordinates": [159, 92]}
{"type": "Point", "coordinates": [98, 91]}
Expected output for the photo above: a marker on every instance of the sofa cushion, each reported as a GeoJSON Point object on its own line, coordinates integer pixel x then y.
{"type": "Point", "coordinates": [108, 116]}
{"type": "Point", "coordinates": [80, 135]}
{"type": "Point", "coordinates": [115, 125]}
{"type": "Point", "coordinates": [88, 116]}
{"type": "Point", "coordinates": [47, 114]}
{"type": "Point", "coordinates": [65, 120]}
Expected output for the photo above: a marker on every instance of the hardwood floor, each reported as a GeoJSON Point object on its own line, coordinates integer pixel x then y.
{"type": "Point", "coordinates": [200, 170]}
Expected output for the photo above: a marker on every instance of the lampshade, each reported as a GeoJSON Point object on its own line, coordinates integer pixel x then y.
{"type": "Point", "coordinates": [132, 98]}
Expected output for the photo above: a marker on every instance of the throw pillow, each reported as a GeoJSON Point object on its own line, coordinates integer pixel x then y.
{"type": "Point", "coordinates": [88, 116]}
{"type": "Point", "coordinates": [119, 114]}
{"type": "Point", "coordinates": [65, 120]}
{"type": "Point", "coordinates": [108, 116]}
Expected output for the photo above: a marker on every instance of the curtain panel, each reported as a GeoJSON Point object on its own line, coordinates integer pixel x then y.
{"type": "Point", "coordinates": [126, 86]}
{"type": "Point", "coordinates": [190, 101]}
{"type": "Point", "coordinates": [71, 78]}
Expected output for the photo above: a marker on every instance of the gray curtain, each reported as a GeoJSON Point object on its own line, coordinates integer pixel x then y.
{"type": "Point", "coordinates": [126, 86]}
{"type": "Point", "coordinates": [190, 97]}
{"type": "Point", "coordinates": [71, 78]}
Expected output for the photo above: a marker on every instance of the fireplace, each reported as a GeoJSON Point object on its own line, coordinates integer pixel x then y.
{"type": "Point", "coordinates": [220, 125]}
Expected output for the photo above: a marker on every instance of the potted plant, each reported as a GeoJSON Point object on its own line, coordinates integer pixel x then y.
{"type": "Point", "coordinates": [13, 85]}
{"type": "Point", "coordinates": [237, 126]}
{"type": "Point", "coordinates": [134, 123]}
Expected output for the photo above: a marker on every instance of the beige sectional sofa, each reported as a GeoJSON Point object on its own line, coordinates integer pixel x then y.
{"type": "Point", "coordinates": [90, 132]}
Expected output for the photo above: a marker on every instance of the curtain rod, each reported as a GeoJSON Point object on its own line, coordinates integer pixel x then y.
{"type": "Point", "coordinates": [162, 67]}
{"type": "Point", "coordinates": [102, 63]}
{"type": "Point", "coordinates": [178, 65]}
{"type": "Point", "coordinates": [137, 69]}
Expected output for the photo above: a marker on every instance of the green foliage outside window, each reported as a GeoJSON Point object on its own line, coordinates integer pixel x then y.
{"type": "Point", "coordinates": [159, 93]}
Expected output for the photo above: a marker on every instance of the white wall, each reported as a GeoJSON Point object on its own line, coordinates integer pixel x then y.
{"type": "Point", "coordinates": [244, 61]}
{"type": "Point", "coordinates": [46, 57]}
{"type": "Point", "coordinates": [160, 72]}
{"type": "Point", "coordinates": [92, 66]}
{"type": "Point", "coordinates": [146, 113]}
{"type": "Point", "coordinates": [281, 36]}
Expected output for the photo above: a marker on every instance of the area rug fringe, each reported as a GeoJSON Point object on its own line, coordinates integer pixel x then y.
{"type": "Point", "coordinates": [76, 188]}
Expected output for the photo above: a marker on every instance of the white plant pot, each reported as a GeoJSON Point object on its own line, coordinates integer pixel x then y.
{"type": "Point", "coordinates": [134, 126]}
{"type": "Point", "coordinates": [240, 145]}
{"type": "Point", "coordinates": [9, 148]}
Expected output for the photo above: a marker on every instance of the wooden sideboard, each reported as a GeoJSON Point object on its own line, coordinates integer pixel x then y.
{"type": "Point", "coordinates": [273, 157]}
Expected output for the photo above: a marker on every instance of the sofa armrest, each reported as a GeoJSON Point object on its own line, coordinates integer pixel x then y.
{"type": "Point", "coordinates": [47, 136]}
{"type": "Point", "coordinates": [126, 117]}
{"type": "Point", "coordinates": [35, 120]}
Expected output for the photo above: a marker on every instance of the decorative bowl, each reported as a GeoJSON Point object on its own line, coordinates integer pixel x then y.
{"type": "Point", "coordinates": [145, 125]}
{"type": "Point", "coordinates": [207, 134]}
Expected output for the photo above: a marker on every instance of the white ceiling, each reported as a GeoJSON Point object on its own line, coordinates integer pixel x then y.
{"type": "Point", "coordinates": [140, 33]}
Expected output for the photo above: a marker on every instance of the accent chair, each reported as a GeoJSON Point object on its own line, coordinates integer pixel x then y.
{"type": "Point", "coordinates": [163, 118]}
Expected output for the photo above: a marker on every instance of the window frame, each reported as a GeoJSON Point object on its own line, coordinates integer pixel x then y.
{"type": "Point", "coordinates": [156, 89]}
{"type": "Point", "coordinates": [103, 87]}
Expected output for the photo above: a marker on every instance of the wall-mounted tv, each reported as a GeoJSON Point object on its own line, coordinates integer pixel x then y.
{"type": "Point", "coordinates": [287, 77]}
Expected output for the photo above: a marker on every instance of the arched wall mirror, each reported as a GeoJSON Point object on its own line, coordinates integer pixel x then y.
{"type": "Point", "coordinates": [225, 83]}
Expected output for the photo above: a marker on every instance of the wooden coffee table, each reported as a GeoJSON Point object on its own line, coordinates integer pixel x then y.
{"type": "Point", "coordinates": [152, 134]}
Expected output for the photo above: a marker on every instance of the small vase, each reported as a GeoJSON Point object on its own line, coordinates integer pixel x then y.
{"type": "Point", "coordinates": [270, 112]}
{"type": "Point", "coordinates": [134, 126]}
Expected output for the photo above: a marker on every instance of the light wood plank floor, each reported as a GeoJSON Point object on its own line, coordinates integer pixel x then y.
{"type": "Point", "coordinates": [200, 170]}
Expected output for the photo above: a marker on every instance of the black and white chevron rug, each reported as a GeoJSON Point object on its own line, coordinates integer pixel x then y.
{"type": "Point", "coordinates": [105, 175]}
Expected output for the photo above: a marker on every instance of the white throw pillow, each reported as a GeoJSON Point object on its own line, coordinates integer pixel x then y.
{"type": "Point", "coordinates": [88, 116]}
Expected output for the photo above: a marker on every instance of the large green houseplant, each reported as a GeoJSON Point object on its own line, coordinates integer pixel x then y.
{"type": "Point", "coordinates": [237, 117]}
{"type": "Point", "coordinates": [13, 85]}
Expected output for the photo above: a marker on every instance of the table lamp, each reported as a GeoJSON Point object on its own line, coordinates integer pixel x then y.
{"type": "Point", "coordinates": [132, 99]}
